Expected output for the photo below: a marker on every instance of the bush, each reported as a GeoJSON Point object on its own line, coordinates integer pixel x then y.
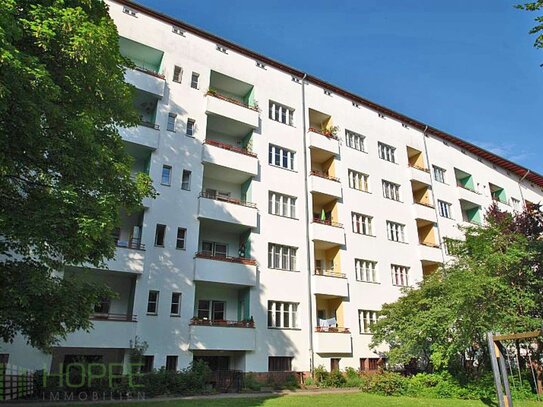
{"type": "Point", "coordinates": [335, 379]}
{"type": "Point", "coordinates": [320, 374]}
{"type": "Point", "coordinates": [385, 383]}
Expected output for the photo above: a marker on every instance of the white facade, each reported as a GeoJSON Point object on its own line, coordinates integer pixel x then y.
{"type": "Point", "coordinates": [340, 247]}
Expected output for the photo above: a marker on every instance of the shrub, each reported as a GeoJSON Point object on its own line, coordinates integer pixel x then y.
{"type": "Point", "coordinates": [335, 379]}
{"type": "Point", "coordinates": [385, 383]}
{"type": "Point", "coordinates": [320, 374]}
{"type": "Point", "coordinates": [251, 382]}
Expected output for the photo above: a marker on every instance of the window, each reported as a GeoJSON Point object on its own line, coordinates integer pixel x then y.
{"type": "Point", "coordinates": [370, 364]}
{"type": "Point", "coordinates": [166, 178]}
{"type": "Point", "coordinates": [439, 174]}
{"type": "Point", "coordinates": [281, 257]}
{"type": "Point", "coordinates": [190, 127]}
{"type": "Point", "coordinates": [160, 233]}
{"type": "Point", "coordinates": [214, 249]}
{"type": "Point", "coordinates": [280, 364]}
{"type": "Point", "coordinates": [129, 11]}
{"type": "Point", "coordinates": [171, 122]}
{"type": "Point", "coordinates": [282, 314]}
{"type": "Point", "coordinates": [177, 74]}
{"type": "Point", "coordinates": [449, 245]}
{"type": "Point", "coordinates": [148, 361]}
{"type": "Point", "coordinates": [175, 308]}
{"type": "Point", "coordinates": [221, 48]}
{"type": "Point", "coordinates": [391, 190]}
{"type": "Point", "coordinates": [181, 238]}
{"type": "Point", "coordinates": [366, 270]}
{"type": "Point", "coordinates": [355, 140]}
{"type": "Point", "coordinates": [367, 319]}
{"type": "Point", "coordinates": [281, 157]}
{"type": "Point", "coordinates": [400, 275]}
{"type": "Point", "coordinates": [516, 203]}
{"type": "Point", "coordinates": [386, 152]}
{"type": "Point", "coordinates": [444, 209]}
{"type": "Point", "coordinates": [281, 113]}
{"type": "Point", "coordinates": [362, 224]}
{"type": "Point", "coordinates": [194, 80]}
{"type": "Point", "coordinates": [103, 306]}
{"type": "Point", "coordinates": [395, 231]}
{"type": "Point", "coordinates": [334, 364]}
{"type": "Point", "coordinates": [178, 31]}
{"type": "Point", "coordinates": [213, 310]}
{"type": "Point", "coordinates": [152, 302]}
{"type": "Point", "coordinates": [185, 180]}
{"type": "Point", "coordinates": [358, 180]}
{"type": "Point", "coordinates": [171, 363]}
{"type": "Point", "coordinates": [282, 205]}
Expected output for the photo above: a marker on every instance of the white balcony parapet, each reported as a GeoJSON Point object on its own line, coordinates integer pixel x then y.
{"type": "Point", "coordinates": [226, 270]}
{"type": "Point", "coordinates": [430, 252]}
{"type": "Point", "coordinates": [227, 210]}
{"type": "Point", "coordinates": [222, 335]}
{"type": "Point", "coordinates": [233, 109]}
{"type": "Point", "coordinates": [107, 332]}
{"type": "Point", "coordinates": [146, 134]}
{"type": "Point", "coordinates": [129, 257]}
{"type": "Point", "coordinates": [333, 340]}
{"type": "Point", "coordinates": [230, 157]}
{"type": "Point", "coordinates": [326, 231]}
{"type": "Point", "coordinates": [327, 282]}
{"type": "Point", "coordinates": [420, 174]}
{"type": "Point", "coordinates": [146, 80]}
{"type": "Point", "coordinates": [323, 142]}
{"type": "Point", "coordinates": [325, 184]}
{"type": "Point", "coordinates": [424, 211]}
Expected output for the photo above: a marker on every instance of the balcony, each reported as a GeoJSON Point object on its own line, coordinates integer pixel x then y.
{"type": "Point", "coordinates": [424, 211]}
{"type": "Point", "coordinates": [323, 141]}
{"type": "Point", "coordinates": [113, 331]}
{"type": "Point", "coordinates": [129, 257]}
{"type": "Point", "coordinates": [323, 183]}
{"type": "Point", "coordinates": [222, 105]}
{"type": "Point", "coordinates": [420, 174]}
{"type": "Point", "coordinates": [146, 135]}
{"type": "Point", "coordinates": [231, 157]}
{"type": "Point", "coordinates": [224, 269]}
{"type": "Point", "coordinates": [328, 232]}
{"type": "Point", "coordinates": [333, 340]}
{"type": "Point", "coordinates": [328, 282]}
{"type": "Point", "coordinates": [222, 335]}
{"type": "Point", "coordinates": [146, 80]}
{"type": "Point", "coordinates": [430, 252]}
{"type": "Point", "coordinates": [229, 210]}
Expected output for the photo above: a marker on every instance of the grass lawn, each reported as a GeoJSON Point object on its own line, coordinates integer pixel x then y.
{"type": "Point", "coordinates": [321, 400]}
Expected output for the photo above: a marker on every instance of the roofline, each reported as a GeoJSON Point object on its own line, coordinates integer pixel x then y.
{"type": "Point", "coordinates": [519, 170]}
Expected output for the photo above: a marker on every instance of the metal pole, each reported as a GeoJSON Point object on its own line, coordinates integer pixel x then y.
{"type": "Point", "coordinates": [495, 369]}
{"type": "Point", "coordinates": [503, 369]}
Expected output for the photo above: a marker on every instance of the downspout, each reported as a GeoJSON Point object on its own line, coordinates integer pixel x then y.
{"type": "Point", "coordinates": [520, 187]}
{"type": "Point", "coordinates": [308, 242]}
{"type": "Point", "coordinates": [434, 201]}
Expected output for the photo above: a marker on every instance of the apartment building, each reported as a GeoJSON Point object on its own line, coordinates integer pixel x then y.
{"type": "Point", "coordinates": [289, 211]}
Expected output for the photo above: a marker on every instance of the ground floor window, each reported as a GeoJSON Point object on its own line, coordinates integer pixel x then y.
{"type": "Point", "coordinates": [280, 364]}
{"type": "Point", "coordinates": [148, 361]}
{"type": "Point", "coordinates": [215, 363]}
{"type": "Point", "coordinates": [171, 363]}
{"type": "Point", "coordinates": [334, 364]}
{"type": "Point", "coordinates": [371, 364]}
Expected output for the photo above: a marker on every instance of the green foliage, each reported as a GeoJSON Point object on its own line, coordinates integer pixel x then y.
{"type": "Point", "coordinates": [320, 374]}
{"type": "Point", "coordinates": [497, 272]}
{"type": "Point", "coordinates": [386, 384]}
{"type": "Point", "coordinates": [250, 382]}
{"type": "Point", "coordinates": [64, 172]}
{"type": "Point", "coordinates": [538, 29]}
{"type": "Point", "coordinates": [334, 379]}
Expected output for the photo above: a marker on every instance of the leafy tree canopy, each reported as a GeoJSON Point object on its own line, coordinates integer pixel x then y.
{"type": "Point", "coordinates": [64, 172]}
{"type": "Point", "coordinates": [538, 28]}
{"type": "Point", "coordinates": [494, 284]}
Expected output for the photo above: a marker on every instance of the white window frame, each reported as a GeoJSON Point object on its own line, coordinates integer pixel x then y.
{"type": "Point", "coordinates": [399, 275]}
{"type": "Point", "coordinates": [386, 152]}
{"type": "Point", "coordinates": [187, 181]}
{"type": "Point", "coordinates": [282, 205]}
{"type": "Point", "coordinates": [276, 314]}
{"type": "Point", "coordinates": [395, 231]}
{"type": "Point", "coordinates": [281, 113]}
{"type": "Point", "coordinates": [366, 319]}
{"type": "Point", "coordinates": [183, 239]}
{"type": "Point", "coordinates": [391, 191]}
{"type": "Point", "coordinates": [355, 141]}
{"type": "Point", "coordinates": [175, 303]}
{"type": "Point", "coordinates": [439, 174]}
{"type": "Point", "coordinates": [281, 257]}
{"type": "Point", "coordinates": [166, 182]}
{"type": "Point", "coordinates": [155, 302]}
{"type": "Point", "coordinates": [359, 181]}
{"type": "Point", "coordinates": [277, 153]}
{"type": "Point", "coordinates": [362, 224]}
{"type": "Point", "coordinates": [366, 270]}
{"type": "Point", "coordinates": [170, 126]}
{"type": "Point", "coordinates": [194, 80]}
{"type": "Point", "coordinates": [444, 209]}
{"type": "Point", "coordinates": [191, 123]}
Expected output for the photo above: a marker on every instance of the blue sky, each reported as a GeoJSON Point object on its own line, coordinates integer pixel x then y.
{"type": "Point", "coordinates": [466, 67]}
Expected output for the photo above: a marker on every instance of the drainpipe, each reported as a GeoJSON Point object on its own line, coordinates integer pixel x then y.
{"type": "Point", "coordinates": [520, 187]}
{"type": "Point", "coordinates": [434, 200]}
{"type": "Point", "coordinates": [308, 242]}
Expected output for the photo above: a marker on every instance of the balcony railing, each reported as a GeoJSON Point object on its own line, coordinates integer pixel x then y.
{"type": "Point", "coordinates": [151, 125]}
{"type": "Point", "coordinates": [130, 244]}
{"type": "Point", "coordinates": [329, 273]}
{"type": "Point", "coordinates": [328, 222]}
{"type": "Point", "coordinates": [215, 93]}
{"type": "Point", "coordinates": [323, 175]}
{"type": "Point", "coordinates": [418, 167]}
{"type": "Point", "coordinates": [324, 133]}
{"type": "Point", "coordinates": [230, 147]}
{"type": "Point", "coordinates": [234, 201]}
{"type": "Point", "coordinates": [249, 323]}
{"type": "Point", "coordinates": [332, 329]}
{"type": "Point", "coordinates": [427, 244]}
{"type": "Point", "coordinates": [240, 260]}
{"type": "Point", "coordinates": [428, 205]}
{"type": "Point", "coordinates": [114, 317]}
{"type": "Point", "coordinates": [149, 72]}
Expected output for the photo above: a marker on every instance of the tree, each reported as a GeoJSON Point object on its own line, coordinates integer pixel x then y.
{"type": "Point", "coordinates": [494, 284]}
{"type": "Point", "coordinates": [538, 29]}
{"type": "Point", "coordinates": [64, 173]}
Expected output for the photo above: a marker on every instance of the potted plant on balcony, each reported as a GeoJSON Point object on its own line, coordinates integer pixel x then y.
{"type": "Point", "coordinates": [331, 131]}
{"type": "Point", "coordinates": [212, 92]}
